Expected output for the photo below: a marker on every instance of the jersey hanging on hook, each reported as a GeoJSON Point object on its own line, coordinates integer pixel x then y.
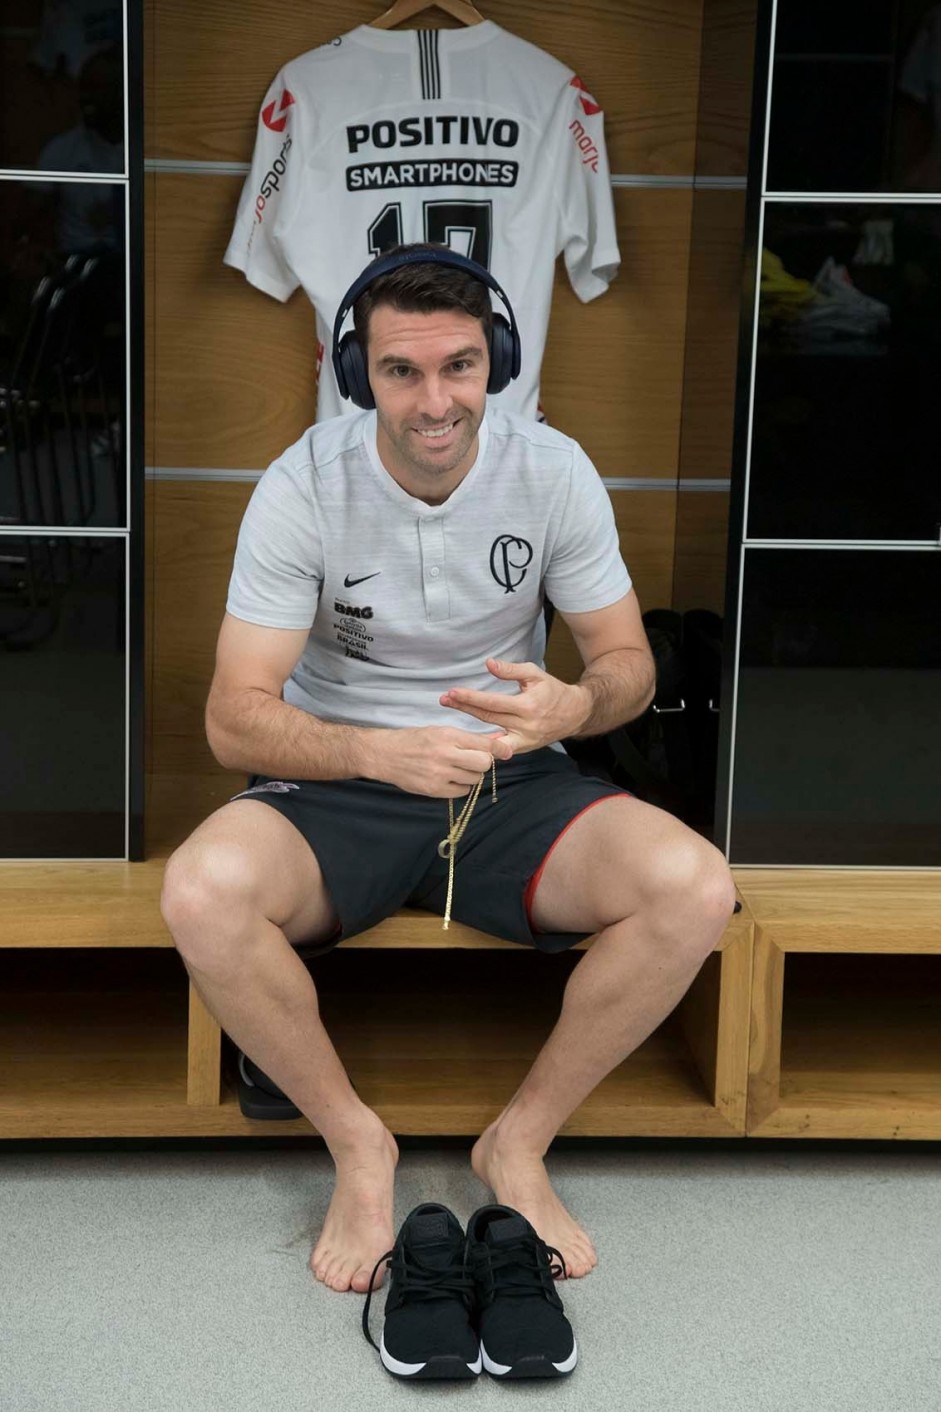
{"type": "Point", "coordinates": [469, 137]}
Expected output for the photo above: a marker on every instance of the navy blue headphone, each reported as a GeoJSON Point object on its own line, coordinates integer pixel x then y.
{"type": "Point", "coordinates": [349, 356]}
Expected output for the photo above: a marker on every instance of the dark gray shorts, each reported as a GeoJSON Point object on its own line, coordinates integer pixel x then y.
{"type": "Point", "coordinates": [377, 845]}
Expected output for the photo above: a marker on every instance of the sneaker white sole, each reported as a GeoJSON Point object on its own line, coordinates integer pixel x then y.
{"type": "Point", "coordinates": [414, 1370]}
{"type": "Point", "coordinates": [500, 1370]}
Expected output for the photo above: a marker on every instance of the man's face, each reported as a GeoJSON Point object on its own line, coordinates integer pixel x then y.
{"type": "Point", "coordinates": [428, 374]}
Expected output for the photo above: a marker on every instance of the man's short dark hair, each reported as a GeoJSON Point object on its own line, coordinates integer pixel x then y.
{"type": "Point", "coordinates": [423, 289]}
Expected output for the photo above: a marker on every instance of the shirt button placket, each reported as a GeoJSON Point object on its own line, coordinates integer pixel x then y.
{"type": "Point", "coordinates": [434, 578]}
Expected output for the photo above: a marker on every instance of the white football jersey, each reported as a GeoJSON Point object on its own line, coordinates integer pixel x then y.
{"type": "Point", "coordinates": [470, 137]}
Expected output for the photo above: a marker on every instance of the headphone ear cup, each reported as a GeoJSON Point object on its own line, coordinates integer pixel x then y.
{"type": "Point", "coordinates": [354, 377]}
{"type": "Point", "coordinates": [504, 354]}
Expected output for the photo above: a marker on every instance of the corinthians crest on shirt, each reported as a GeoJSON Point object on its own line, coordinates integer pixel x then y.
{"type": "Point", "coordinates": [470, 164]}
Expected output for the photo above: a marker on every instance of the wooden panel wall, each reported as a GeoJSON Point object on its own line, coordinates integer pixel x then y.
{"type": "Point", "coordinates": [231, 371]}
{"type": "Point", "coordinates": [640, 58]}
{"type": "Point", "coordinates": [727, 53]}
{"type": "Point", "coordinates": [234, 369]}
{"type": "Point", "coordinates": [711, 341]}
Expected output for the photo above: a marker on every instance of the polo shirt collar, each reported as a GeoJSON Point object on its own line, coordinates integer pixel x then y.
{"type": "Point", "coordinates": [411, 502]}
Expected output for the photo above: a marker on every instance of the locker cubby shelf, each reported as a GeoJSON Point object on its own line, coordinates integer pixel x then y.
{"type": "Point", "coordinates": [113, 1042]}
{"type": "Point", "coordinates": [92, 1042]}
{"type": "Point", "coordinates": [846, 1001]}
{"type": "Point", "coordinates": [438, 1043]}
{"type": "Point", "coordinates": [862, 1035]}
{"type": "Point", "coordinates": [816, 1016]}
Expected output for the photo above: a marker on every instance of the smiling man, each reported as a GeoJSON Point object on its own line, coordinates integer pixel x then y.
{"type": "Point", "coordinates": [431, 397]}
{"type": "Point", "coordinates": [381, 652]}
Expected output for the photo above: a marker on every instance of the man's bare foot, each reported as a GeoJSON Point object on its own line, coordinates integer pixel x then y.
{"type": "Point", "coordinates": [357, 1229]}
{"type": "Point", "coordinates": [519, 1179]}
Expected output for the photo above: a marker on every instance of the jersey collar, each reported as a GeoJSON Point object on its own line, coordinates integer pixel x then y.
{"type": "Point", "coordinates": [395, 41]}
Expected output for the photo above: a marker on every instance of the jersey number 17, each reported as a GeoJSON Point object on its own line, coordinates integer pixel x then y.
{"type": "Point", "coordinates": [464, 226]}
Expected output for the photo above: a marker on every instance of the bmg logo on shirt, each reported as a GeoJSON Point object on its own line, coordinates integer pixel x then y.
{"type": "Point", "coordinates": [353, 638]}
{"type": "Point", "coordinates": [348, 611]}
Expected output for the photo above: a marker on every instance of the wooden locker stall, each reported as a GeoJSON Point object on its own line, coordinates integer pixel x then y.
{"type": "Point", "coordinates": [233, 383]}
{"type": "Point", "coordinates": [230, 384]}
{"type": "Point", "coordinates": [643, 377]}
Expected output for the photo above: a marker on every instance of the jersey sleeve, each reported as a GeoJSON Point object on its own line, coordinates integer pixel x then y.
{"type": "Point", "coordinates": [586, 570]}
{"type": "Point", "coordinates": [278, 569]}
{"type": "Point", "coordinates": [256, 247]}
{"type": "Point", "coordinates": [588, 234]}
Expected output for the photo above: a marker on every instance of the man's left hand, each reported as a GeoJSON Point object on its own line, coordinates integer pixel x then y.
{"type": "Point", "coordinates": [542, 711]}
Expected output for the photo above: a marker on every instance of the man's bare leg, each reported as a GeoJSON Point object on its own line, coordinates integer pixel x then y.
{"type": "Point", "coordinates": [635, 973]}
{"type": "Point", "coordinates": [263, 996]}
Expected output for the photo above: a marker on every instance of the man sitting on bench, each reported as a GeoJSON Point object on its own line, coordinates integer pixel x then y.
{"type": "Point", "coordinates": [380, 654]}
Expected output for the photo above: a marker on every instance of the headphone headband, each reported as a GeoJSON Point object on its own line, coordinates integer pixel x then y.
{"type": "Point", "coordinates": [385, 264]}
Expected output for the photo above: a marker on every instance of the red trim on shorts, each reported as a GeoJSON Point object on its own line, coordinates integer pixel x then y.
{"type": "Point", "coordinates": [534, 880]}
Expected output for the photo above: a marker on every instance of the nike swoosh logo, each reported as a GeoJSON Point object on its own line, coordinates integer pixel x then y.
{"type": "Point", "coordinates": [351, 583]}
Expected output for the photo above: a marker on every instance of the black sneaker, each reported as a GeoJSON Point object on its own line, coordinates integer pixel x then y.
{"type": "Point", "coordinates": [428, 1330]}
{"type": "Point", "coordinates": [523, 1330]}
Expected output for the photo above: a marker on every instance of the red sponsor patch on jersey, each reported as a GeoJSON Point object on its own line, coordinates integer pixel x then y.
{"type": "Point", "coordinates": [588, 103]}
{"type": "Point", "coordinates": [267, 113]}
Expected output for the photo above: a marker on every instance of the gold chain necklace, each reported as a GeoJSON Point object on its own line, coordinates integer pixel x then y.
{"type": "Point", "coordinates": [447, 848]}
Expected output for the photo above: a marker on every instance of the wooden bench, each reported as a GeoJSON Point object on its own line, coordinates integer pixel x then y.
{"type": "Point", "coordinates": [817, 1015]}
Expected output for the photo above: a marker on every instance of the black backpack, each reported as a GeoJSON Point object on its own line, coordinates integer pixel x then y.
{"type": "Point", "coordinates": [668, 755]}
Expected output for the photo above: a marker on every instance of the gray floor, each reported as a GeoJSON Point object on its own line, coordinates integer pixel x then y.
{"type": "Point", "coordinates": [765, 1280]}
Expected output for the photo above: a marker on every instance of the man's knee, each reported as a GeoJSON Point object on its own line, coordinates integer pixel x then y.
{"type": "Point", "coordinates": [689, 874]}
{"type": "Point", "coordinates": [205, 891]}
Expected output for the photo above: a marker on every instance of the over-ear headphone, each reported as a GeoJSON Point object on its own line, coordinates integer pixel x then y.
{"type": "Point", "coordinates": [349, 356]}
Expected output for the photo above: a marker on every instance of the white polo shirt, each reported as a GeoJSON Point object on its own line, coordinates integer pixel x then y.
{"type": "Point", "coordinates": [405, 600]}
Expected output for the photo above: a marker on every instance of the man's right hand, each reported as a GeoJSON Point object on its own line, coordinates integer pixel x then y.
{"type": "Point", "coordinates": [439, 761]}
